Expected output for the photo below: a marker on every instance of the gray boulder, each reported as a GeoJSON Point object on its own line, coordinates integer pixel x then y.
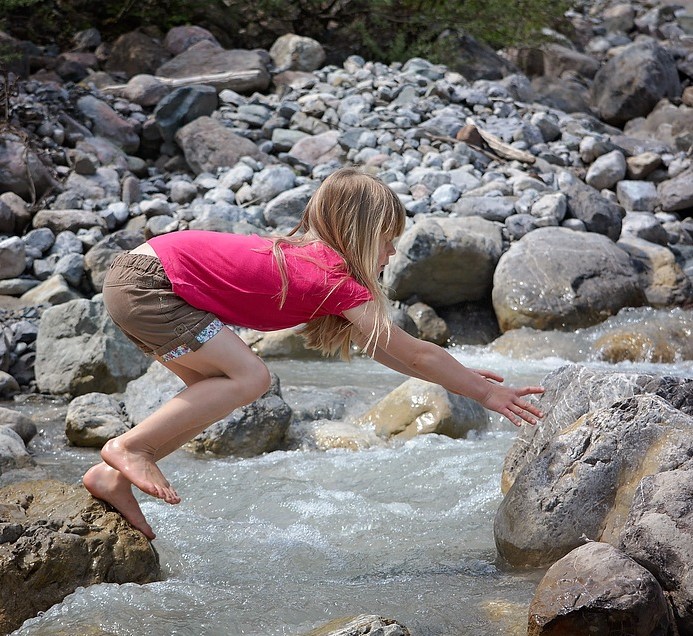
{"type": "Point", "coordinates": [21, 424]}
{"type": "Point", "coordinates": [183, 105]}
{"type": "Point", "coordinates": [55, 538]}
{"type": "Point", "coordinates": [71, 220]}
{"type": "Point", "coordinates": [208, 59]}
{"type": "Point", "coordinates": [17, 162]}
{"type": "Point", "coordinates": [659, 535]}
{"type": "Point", "coordinates": [79, 350]}
{"type": "Point", "coordinates": [251, 430]}
{"type": "Point", "coordinates": [207, 145]}
{"type": "Point", "coordinates": [589, 391]}
{"type": "Point", "coordinates": [286, 209]}
{"type": "Point", "coordinates": [598, 214]}
{"type": "Point", "coordinates": [677, 193]}
{"type": "Point", "coordinates": [297, 53]}
{"type": "Point", "coordinates": [13, 452]}
{"type": "Point", "coordinates": [109, 124]}
{"type": "Point", "coordinates": [445, 261]}
{"type": "Point", "coordinates": [598, 590]}
{"type": "Point", "coordinates": [94, 418]}
{"type": "Point", "coordinates": [630, 84]}
{"type": "Point", "coordinates": [555, 278]}
{"type": "Point", "coordinates": [582, 482]}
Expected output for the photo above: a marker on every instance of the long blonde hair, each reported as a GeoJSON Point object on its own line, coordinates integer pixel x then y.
{"type": "Point", "coordinates": [350, 212]}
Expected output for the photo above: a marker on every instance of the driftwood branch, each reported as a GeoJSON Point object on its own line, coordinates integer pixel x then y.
{"type": "Point", "coordinates": [226, 77]}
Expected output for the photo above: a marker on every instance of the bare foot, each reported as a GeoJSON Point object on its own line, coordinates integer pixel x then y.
{"type": "Point", "coordinates": [140, 469]}
{"type": "Point", "coordinates": [106, 483]}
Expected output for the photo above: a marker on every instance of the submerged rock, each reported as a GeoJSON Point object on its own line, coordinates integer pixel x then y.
{"type": "Point", "coordinates": [417, 407]}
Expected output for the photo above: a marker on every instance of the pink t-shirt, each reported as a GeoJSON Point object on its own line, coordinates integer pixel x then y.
{"type": "Point", "coordinates": [236, 277]}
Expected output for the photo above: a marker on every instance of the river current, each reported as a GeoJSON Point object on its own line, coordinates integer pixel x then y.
{"type": "Point", "coordinates": [283, 543]}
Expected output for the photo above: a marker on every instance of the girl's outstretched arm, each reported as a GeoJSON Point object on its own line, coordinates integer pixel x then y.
{"type": "Point", "coordinates": [427, 361]}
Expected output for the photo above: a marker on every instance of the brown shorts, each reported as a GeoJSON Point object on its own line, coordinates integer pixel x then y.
{"type": "Point", "coordinates": [140, 300]}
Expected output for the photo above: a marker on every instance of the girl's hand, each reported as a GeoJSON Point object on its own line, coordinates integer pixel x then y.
{"type": "Point", "coordinates": [507, 401]}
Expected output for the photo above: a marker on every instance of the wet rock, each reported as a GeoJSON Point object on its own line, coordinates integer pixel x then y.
{"type": "Point", "coordinates": [324, 435]}
{"type": "Point", "coordinates": [64, 539]}
{"type": "Point", "coordinates": [362, 624]}
{"type": "Point", "coordinates": [583, 482]}
{"type": "Point", "coordinates": [430, 326]}
{"type": "Point", "coordinates": [417, 407]}
{"type": "Point", "coordinates": [597, 589]}
{"type": "Point", "coordinates": [13, 452]}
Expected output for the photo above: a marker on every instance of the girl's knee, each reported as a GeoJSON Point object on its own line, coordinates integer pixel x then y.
{"type": "Point", "coordinates": [260, 380]}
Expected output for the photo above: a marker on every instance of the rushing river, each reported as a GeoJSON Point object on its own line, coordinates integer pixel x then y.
{"type": "Point", "coordinates": [283, 543]}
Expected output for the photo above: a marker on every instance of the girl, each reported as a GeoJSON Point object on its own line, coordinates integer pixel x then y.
{"type": "Point", "coordinates": [174, 294]}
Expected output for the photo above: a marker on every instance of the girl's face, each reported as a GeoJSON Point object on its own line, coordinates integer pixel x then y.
{"type": "Point", "coordinates": [385, 250]}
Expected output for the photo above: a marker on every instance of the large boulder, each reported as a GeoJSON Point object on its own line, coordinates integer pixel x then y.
{"type": "Point", "coordinates": [207, 145]}
{"type": "Point", "coordinates": [55, 538]}
{"type": "Point", "coordinates": [445, 261]}
{"type": "Point", "coordinates": [662, 279]}
{"type": "Point", "coordinates": [631, 83]}
{"type": "Point", "coordinates": [598, 590]}
{"type": "Point", "coordinates": [659, 535]}
{"type": "Point", "coordinates": [417, 407]}
{"type": "Point", "coordinates": [555, 278]}
{"type": "Point", "coordinates": [589, 391]}
{"type": "Point", "coordinates": [582, 484]}
{"type": "Point", "coordinates": [214, 64]}
{"type": "Point", "coordinates": [22, 170]}
{"type": "Point", "coordinates": [80, 350]}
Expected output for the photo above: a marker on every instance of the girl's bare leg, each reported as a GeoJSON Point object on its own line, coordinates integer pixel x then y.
{"type": "Point", "coordinates": [221, 376]}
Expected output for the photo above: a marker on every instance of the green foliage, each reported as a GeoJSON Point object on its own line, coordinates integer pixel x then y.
{"type": "Point", "coordinates": [386, 30]}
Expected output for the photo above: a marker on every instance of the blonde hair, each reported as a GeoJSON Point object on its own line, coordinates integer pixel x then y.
{"type": "Point", "coordinates": [350, 212]}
